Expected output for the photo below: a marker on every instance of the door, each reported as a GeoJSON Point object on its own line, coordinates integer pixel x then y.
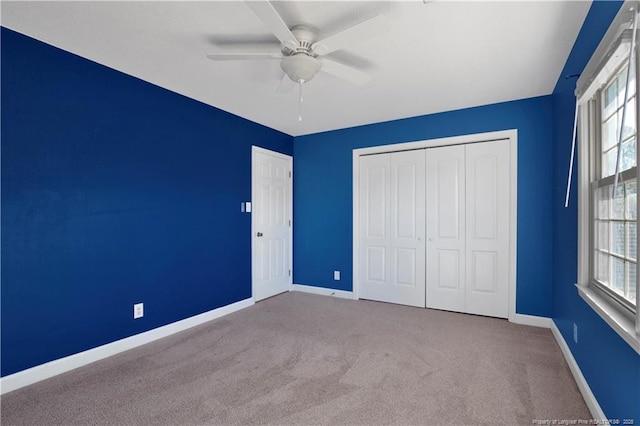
{"type": "Point", "coordinates": [459, 198]}
{"type": "Point", "coordinates": [271, 222]}
{"type": "Point", "coordinates": [446, 228]}
{"type": "Point", "coordinates": [487, 251]}
{"type": "Point", "coordinates": [391, 234]}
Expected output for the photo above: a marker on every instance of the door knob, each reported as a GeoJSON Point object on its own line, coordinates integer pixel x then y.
{"type": "Point", "coordinates": [259, 234]}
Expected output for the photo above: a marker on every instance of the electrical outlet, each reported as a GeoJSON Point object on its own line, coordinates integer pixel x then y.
{"type": "Point", "coordinates": [138, 310]}
{"type": "Point", "coordinates": [336, 275]}
{"type": "Point", "coordinates": [575, 332]}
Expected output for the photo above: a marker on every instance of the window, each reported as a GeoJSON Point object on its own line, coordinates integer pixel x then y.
{"type": "Point", "coordinates": [614, 227]}
{"type": "Point", "coordinates": [608, 223]}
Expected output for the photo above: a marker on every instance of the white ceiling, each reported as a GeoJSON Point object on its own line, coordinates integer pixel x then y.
{"type": "Point", "coordinates": [433, 57]}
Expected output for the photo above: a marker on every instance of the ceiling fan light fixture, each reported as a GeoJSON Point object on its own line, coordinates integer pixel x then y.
{"type": "Point", "coordinates": [300, 67]}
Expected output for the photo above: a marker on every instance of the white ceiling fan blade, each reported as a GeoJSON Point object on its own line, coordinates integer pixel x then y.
{"type": "Point", "coordinates": [345, 72]}
{"type": "Point", "coordinates": [285, 85]}
{"type": "Point", "coordinates": [239, 56]}
{"type": "Point", "coordinates": [270, 17]}
{"type": "Point", "coordinates": [362, 31]}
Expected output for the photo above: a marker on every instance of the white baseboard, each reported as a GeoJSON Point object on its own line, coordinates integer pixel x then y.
{"type": "Point", "coordinates": [534, 321]}
{"type": "Point", "coordinates": [44, 371]}
{"type": "Point", "coordinates": [323, 291]}
{"type": "Point", "coordinates": [585, 390]}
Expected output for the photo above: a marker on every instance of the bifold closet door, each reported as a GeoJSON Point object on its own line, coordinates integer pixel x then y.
{"type": "Point", "coordinates": [446, 236]}
{"type": "Point", "coordinates": [468, 228]}
{"type": "Point", "coordinates": [434, 228]}
{"type": "Point", "coordinates": [392, 227]}
{"type": "Point", "coordinates": [487, 243]}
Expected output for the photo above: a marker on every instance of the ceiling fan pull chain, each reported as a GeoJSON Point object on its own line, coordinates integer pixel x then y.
{"type": "Point", "coordinates": [300, 82]}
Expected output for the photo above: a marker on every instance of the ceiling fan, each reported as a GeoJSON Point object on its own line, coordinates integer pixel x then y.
{"type": "Point", "coordinates": [300, 52]}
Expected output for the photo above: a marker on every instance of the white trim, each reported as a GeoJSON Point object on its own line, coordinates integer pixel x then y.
{"type": "Point", "coordinates": [432, 143]}
{"type": "Point", "coordinates": [585, 390]}
{"type": "Point", "coordinates": [356, 222]}
{"type": "Point", "coordinates": [510, 135]}
{"type": "Point", "coordinates": [256, 149]}
{"type": "Point", "coordinates": [604, 51]}
{"type": "Point", "coordinates": [513, 222]}
{"type": "Point", "coordinates": [532, 320]}
{"type": "Point", "coordinates": [620, 323]}
{"type": "Point", "coordinates": [583, 189]}
{"type": "Point", "coordinates": [62, 365]}
{"type": "Point", "coordinates": [322, 290]}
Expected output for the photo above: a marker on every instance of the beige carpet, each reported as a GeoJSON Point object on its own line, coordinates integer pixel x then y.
{"type": "Point", "coordinates": [306, 359]}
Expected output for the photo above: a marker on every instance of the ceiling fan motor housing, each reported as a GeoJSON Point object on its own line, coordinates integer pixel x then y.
{"type": "Point", "coordinates": [300, 64]}
{"type": "Point", "coordinates": [305, 37]}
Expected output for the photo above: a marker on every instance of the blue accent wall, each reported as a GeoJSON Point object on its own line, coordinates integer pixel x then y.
{"type": "Point", "coordinates": [114, 191]}
{"type": "Point", "coordinates": [323, 193]}
{"type": "Point", "coordinates": [610, 365]}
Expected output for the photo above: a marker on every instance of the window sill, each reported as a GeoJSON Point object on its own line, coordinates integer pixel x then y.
{"type": "Point", "coordinates": [620, 323]}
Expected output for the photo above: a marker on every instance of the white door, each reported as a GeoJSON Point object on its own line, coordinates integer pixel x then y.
{"type": "Point", "coordinates": [446, 228]}
{"type": "Point", "coordinates": [487, 251]}
{"type": "Point", "coordinates": [271, 189]}
{"type": "Point", "coordinates": [459, 198]}
{"type": "Point", "coordinates": [391, 234]}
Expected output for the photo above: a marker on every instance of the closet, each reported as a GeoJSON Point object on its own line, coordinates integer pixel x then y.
{"type": "Point", "coordinates": [433, 227]}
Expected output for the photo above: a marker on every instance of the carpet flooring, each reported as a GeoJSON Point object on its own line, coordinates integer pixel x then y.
{"type": "Point", "coordinates": [306, 359]}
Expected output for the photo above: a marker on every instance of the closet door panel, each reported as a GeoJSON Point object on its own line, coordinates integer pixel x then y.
{"type": "Point", "coordinates": [487, 250]}
{"type": "Point", "coordinates": [391, 235]}
{"type": "Point", "coordinates": [407, 217]}
{"type": "Point", "coordinates": [374, 224]}
{"type": "Point", "coordinates": [445, 220]}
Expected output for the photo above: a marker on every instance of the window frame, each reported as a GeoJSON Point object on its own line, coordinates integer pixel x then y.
{"type": "Point", "coordinates": [606, 62]}
{"type": "Point", "coordinates": [596, 182]}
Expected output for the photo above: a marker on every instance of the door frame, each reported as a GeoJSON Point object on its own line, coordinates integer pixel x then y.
{"type": "Point", "coordinates": [509, 135]}
{"type": "Point", "coordinates": [256, 149]}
